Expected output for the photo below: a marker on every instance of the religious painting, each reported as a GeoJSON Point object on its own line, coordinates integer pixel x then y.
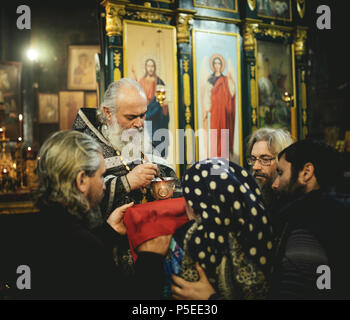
{"type": "Point", "coordinates": [81, 73]}
{"type": "Point", "coordinates": [152, 62]}
{"type": "Point", "coordinates": [224, 5]}
{"type": "Point", "coordinates": [48, 108]}
{"type": "Point", "coordinates": [331, 135]}
{"type": "Point", "coordinates": [90, 100]}
{"type": "Point", "coordinates": [10, 97]}
{"type": "Point", "coordinates": [217, 95]}
{"type": "Point", "coordinates": [69, 103]}
{"type": "Point", "coordinates": [275, 9]}
{"type": "Point", "coordinates": [347, 141]}
{"type": "Point", "coordinates": [274, 79]}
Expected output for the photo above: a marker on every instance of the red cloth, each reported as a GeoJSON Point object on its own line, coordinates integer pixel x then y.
{"type": "Point", "coordinates": [153, 219]}
{"type": "Point", "coordinates": [223, 112]}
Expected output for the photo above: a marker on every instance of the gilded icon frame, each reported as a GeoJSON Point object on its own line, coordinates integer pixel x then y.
{"type": "Point", "coordinates": [291, 76]}
{"type": "Point", "coordinates": [48, 107]}
{"type": "Point", "coordinates": [161, 47]}
{"type": "Point", "coordinates": [230, 50]}
{"type": "Point", "coordinates": [212, 7]}
{"type": "Point", "coordinates": [274, 17]}
{"type": "Point", "coordinates": [69, 104]}
{"type": "Point", "coordinates": [10, 97]}
{"type": "Point", "coordinates": [81, 69]}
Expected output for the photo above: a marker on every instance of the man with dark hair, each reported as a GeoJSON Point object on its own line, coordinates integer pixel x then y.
{"type": "Point", "coordinates": [316, 221]}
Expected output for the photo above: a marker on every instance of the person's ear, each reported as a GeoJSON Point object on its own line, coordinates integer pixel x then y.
{"type": "Point", "coordinates": [307, 173]}
{"type": "Point", "coordinates": [83, 182]}
{"type": "Point", "coordinates": [107, 113]}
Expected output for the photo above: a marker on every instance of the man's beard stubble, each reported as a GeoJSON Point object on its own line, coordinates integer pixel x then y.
{"type": "Point", "coordinates": [291, 191]}
{"type": "Point", "coordinates": [268, 194]}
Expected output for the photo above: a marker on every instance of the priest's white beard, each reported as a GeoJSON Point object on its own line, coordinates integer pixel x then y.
{"type": "Point", "coordinates": [130, 142]}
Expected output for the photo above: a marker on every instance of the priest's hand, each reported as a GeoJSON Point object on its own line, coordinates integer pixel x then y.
{"type": "Point", "coordinates": [115, 220]}
{"type": "Point", "coordinates": [199, 290]}
{"type": "Point", "coordinates": [158, 245]}
{"type": "Point", "coordinates": [142, 175]}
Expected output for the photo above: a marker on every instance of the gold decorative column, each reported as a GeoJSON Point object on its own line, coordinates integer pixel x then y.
{"type": "Point", "coordinates": [301, 8]}
{"type": "Point", "coordinates": [183, 23]}
{"type": "Point", "coordinates": [249, 30]}
{"type": "Point", "coordinates": [249, 45]}
{"type": "Point", "coordinates": [114, 16]}
{"type": "Point", "coordinates": [303, 105]}
{"type": "Point", "coordinates": [300, 37]}
{"type": "Point", "coordinates": [117, 75]}
{"type": "Point", "coordinates": [251, 4]}
{"type": "Point", "coordinates": [300, 41]}
{"type": "Point", "coordinates": [190, 156]}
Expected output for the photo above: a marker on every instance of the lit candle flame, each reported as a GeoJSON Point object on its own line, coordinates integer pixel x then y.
{"type": "Point", "coordinates": [29, 149]}
{"type": "Point", "coordinates": [20, 117]}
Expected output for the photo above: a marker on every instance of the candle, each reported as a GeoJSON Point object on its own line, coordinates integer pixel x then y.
{"type": "Point", "coordinates": [29, 153]}
{"type": "Point", "coordinates": [20, 118]}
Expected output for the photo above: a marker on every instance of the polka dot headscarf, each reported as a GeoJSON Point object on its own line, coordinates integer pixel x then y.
{"type": "Point", "coordinates": [227, 199]}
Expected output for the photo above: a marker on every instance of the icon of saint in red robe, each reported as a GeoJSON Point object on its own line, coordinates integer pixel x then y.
{"type": "Point", "coordinates": [218, 95]}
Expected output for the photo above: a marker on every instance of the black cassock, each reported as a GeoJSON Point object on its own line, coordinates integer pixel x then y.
{"type": "Point", "coordinates": [117, 187]}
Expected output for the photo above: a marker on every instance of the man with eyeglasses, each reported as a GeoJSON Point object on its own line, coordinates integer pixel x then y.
{"type": "Point", "coordinates": [262, 156]}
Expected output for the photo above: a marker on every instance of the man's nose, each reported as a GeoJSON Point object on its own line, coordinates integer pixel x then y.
{"type": "Point", "coordinates": [275, 184]}
{"type": "Point", "coordinates": [138, 123]}
{"type": "Point", "coordinates": [256, 165]}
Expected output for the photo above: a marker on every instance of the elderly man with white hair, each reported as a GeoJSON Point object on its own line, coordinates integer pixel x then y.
{"type": "Point", "coordinates": [118, 125]}
{"type": "Point", "coordinates": [118, 119]}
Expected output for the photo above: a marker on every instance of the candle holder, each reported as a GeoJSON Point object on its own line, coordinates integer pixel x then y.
{"type": "Point", "coordinates": [20, 119]}
{"type": "Point", "coordinates": [11, 170]}
{"type": "Point", "coordinates": [287, 98]}
{"type": "Point", "coordinates": [160, 94]}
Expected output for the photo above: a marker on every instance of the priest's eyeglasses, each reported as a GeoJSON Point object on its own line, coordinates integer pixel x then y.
{"type": "Point", "coordinates": [264, 161]}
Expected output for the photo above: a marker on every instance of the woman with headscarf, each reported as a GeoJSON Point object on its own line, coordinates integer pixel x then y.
{"type": "Point", "coordinates": [229, 235]}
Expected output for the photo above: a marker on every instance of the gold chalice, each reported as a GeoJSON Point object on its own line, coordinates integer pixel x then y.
{"type": "Point", "coordinates": [162, 188]}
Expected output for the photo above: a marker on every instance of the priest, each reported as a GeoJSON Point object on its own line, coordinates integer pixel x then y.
{"type": "Point", "coordinates": [131, 161]}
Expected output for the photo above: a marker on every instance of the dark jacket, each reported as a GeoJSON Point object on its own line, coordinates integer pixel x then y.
{"type": "Point", "coordinates": [316, 232]}
{"type": "Point", "coordinates": [68, 261]}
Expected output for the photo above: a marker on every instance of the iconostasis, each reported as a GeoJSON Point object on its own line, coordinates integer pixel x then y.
{"type": "Point", "coordinates": [236, 65]}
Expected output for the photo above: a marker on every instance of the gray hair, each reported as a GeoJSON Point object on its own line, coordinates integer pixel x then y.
{"type": "Point", "coordinates": [60, 159]}
{"type": "Point", "coordinates": [111, 96]}
{"type": "Point", "coordinates": [276, 139]}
